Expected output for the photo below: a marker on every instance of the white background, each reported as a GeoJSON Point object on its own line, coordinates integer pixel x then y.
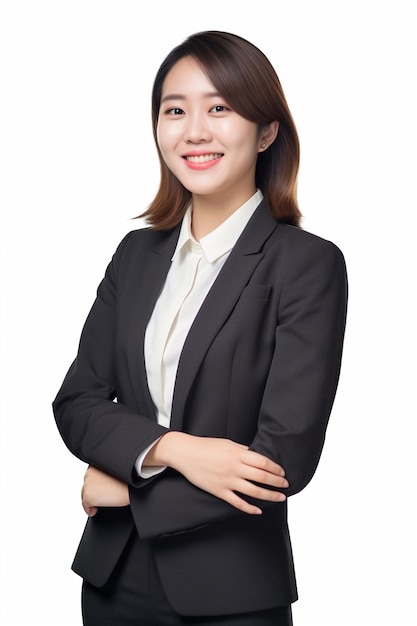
{"type": "Point", "coordinates": [78, 162]}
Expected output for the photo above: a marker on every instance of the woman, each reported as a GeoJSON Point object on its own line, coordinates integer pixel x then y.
{"type": "Point", "coordinates": [208, 364]}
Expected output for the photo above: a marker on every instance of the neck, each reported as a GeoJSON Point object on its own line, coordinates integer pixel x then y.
{"type": "Point", "coordinates": [209, 213]}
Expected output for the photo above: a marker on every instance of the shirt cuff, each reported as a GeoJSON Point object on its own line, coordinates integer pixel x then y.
{"type": "Point", "coordinates": [147, 471]}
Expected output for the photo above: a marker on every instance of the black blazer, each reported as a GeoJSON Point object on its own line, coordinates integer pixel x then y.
{"type": "Point", "coordinates": [260, 366]}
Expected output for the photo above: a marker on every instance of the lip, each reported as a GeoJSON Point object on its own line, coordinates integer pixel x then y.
{"type": "Point", "coordinates": [202, 160]}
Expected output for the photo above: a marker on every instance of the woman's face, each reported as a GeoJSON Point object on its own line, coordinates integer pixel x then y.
{"type": "Point", "coordinates": [211, 149]}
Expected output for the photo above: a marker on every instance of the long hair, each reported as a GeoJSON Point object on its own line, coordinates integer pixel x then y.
{"type": "Point", "coordinates": [243, 75]}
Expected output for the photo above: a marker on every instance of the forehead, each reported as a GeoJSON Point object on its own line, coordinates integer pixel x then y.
{"type": "Point", "coordinates": [187, 77]}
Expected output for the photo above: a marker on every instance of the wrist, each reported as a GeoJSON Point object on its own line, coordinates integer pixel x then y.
{"type": "Point", "coordinates": [166, 450]}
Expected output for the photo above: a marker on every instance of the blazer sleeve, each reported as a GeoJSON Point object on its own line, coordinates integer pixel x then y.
{"type": "Point", "coordinates": [95, 428]}
{"type": "Point", "coordinates": [304, 373]}
{"type": "Point", "coordinates": [297, 399]}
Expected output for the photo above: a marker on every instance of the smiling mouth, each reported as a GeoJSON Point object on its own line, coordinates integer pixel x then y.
{"type": "Point", "coordinates": [203, 158]}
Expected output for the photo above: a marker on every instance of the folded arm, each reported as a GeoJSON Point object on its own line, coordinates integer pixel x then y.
{"type": "Point", "coordinates": [209, 479]}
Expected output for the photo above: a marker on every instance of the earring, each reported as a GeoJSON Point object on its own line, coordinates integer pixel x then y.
{"type": "Point", "coordinates": [263, 145]}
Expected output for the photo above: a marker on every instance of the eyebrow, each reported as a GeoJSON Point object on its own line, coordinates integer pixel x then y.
{"type": "Point", "coordinates": [179, 96]}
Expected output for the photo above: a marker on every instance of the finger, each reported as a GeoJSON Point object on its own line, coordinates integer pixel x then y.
{"type": "Point", "coordinates": [92, 511]}
{"type": "Point", "coordinates": [242, 505]}
{"type": "Point", "coordinates": [260, 493]}
{"type": "Point", "coordinates": [262, 462]}
{"type": "Point", "coordinates": [84, 501]}
{"type": "Point", "coordinates": [264, 477]}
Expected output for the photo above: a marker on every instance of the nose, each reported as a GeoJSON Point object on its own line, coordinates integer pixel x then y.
{"type": "Point", "coordinates": [197, 128]}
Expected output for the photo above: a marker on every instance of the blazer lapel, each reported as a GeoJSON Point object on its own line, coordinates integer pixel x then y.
{"type": "Point", "coordinates": [146, 295]}
{"type": "Point", "coordinates": [219, 303]}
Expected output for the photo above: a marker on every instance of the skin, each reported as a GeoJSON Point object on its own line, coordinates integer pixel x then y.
{"type": "Point", "coordinates": [213, 152]}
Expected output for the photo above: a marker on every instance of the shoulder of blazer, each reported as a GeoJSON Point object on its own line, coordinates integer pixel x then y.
{"type": "Point", "coordinates": [299, 245]}
{"type": "Point", "coordinates": [137, 244]}
{"type": "Point", "coordinates": [150, 238]}
{"type": "Point", "coordinates": [264, 233]}
{"type": "Point", "coordinates": [298, 236]}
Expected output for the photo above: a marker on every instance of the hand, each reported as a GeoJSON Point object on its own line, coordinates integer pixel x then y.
{"type": "Point", "coordinates": [101, 489]}
{"type": "Point", "coordinates": [224, 468]}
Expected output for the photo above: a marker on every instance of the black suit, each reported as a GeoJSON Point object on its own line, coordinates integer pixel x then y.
{"type": "Point", "coordinates": [260, 366]}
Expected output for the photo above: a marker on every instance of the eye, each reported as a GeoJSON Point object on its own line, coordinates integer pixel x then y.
{"type": "Point", "coordinates": [219, 108]}
{"type": "Point", "coordinates": [174, 111]}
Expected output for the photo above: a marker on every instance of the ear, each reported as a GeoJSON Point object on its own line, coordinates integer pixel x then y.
{"type": "Point", "coordinates": [268, 135]}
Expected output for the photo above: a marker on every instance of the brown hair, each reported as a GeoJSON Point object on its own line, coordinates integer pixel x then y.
{"type": "Point", "coordinates": [243, 75]}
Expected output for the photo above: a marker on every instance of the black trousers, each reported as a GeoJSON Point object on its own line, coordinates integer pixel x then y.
{"type": "Point", "coordinates": [134, 597]}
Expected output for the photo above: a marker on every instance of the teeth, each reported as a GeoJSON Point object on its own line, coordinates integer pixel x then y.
{"type": "Point", "coordinates": [203, 158]}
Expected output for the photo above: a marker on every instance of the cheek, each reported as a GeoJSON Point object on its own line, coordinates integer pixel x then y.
{"type": "Point", "coordinates": [167, 143]}
{"type": "Point", "coordinates": [168, 137]}
{"type": "Point", "coordinates": [163, 135]}
{"type": "Point", "coordinates": [245, 137]}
